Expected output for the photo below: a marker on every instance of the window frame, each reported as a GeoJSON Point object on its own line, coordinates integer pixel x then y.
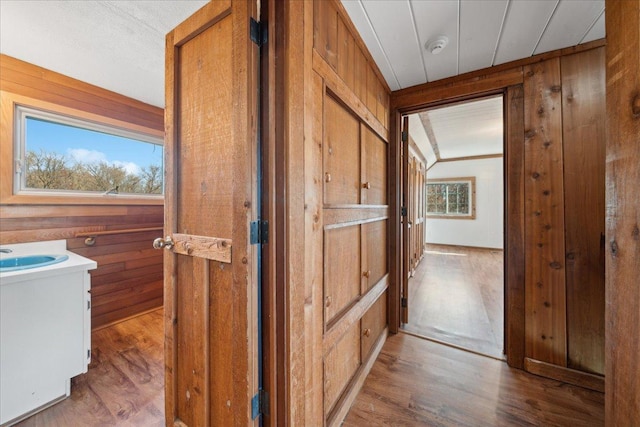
{"type": "Point", "coordinates": [14, 151]}
{"type": "Point", "coordinates": [471, 180]}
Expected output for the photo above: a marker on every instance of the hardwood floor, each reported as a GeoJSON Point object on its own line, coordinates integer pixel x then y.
{"type": "Point", "coordinates": [125, 382]}
{"type": "Point", "coordinates": [416, 382]}
{"type": "Point", "coordinates": [457, 296]}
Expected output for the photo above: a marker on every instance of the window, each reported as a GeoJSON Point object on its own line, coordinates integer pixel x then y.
{"type": "Point", "coordinates": [451, 198]}
{"type": "Point", "coordinates": [58, 155]}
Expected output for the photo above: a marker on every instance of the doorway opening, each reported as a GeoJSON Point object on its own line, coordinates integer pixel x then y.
{"type": "Point", "coordinates": [455, 225]}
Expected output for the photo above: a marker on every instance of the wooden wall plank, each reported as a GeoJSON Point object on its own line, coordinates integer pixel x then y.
{"type": "Point", "coordinates": [544, 214]}
{"type": "Point", "coordinates": [622, 387]}
{"type": "Point", "coordinates": [583, 141]}
{"type": "Point", "coordinates": [515, 234]}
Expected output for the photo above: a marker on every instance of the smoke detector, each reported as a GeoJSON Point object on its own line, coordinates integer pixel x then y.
{"type": "Point", "coordinates": [436, 46]}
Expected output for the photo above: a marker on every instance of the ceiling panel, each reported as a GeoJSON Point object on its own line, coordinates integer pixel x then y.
{"type": "Point", "coordinates": [435, 18]}
{"type": "Point", "coordinates": [569, 23]}
{"type": "Point", "coordinates": [478, 42]}
{"type": "Point", "coordinates": [362, 23]}
{"type": "Point", "coordinates": [393, 24]}
{"type": "Point", "coordinates": [469, 129]}
{"type": "Point", "coordinates": [522, 29]}
{"type": "Point", "coordinates": [597, 31]}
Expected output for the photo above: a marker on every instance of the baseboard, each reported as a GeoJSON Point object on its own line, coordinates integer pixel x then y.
{"type": "Point", "coordinates": [124, 319]}
{"type": "Point", "coordinates": [347, 398]}
{"type": "Point", "coordinates": [565, 375]}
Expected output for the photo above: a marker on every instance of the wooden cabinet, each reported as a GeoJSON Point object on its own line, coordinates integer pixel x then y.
{"type": "Point", "coordinates": [342, 269]}
{"type": "Point", "coordinates": [374, 168]}
{"type": "Point", "coordinates": [374, 253]}
{"type": "Point", "coordinates": [372, 325]}
{"type": "Point", "coordinates": [341, 155]}
{"type": "Point", "coordinates": [340, 365]}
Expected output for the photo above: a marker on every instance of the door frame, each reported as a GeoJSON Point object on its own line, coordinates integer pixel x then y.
{"type": "Point", "coordinates": [405, 102]}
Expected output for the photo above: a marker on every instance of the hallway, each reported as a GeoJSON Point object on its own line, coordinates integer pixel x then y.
{"type": "Point", "coordinates": [416, 382]}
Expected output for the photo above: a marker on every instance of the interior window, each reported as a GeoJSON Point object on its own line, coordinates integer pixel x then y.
{"type": "Point", "coordinates": [58, 154]}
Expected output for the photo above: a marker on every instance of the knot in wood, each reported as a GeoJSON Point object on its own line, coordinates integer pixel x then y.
{"type": "Point", "coordinates": [555, 265]}
{"type": "Point", "coordinates": [571, 256]}
{"type": "Point", "coordinates": [546, 192]}
{"type": "Point", "coordinates": [635, 106]}
{"type": "Point", "coordinates": [535, 175]}
{"type": "Point", "coordinates": [635, 234]}
{"type": "Point", "coordinates": [614, 248]}
{"type": "Point", "coordinates": [556, 88]}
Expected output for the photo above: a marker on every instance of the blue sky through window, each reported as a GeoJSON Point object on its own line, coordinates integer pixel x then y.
{"type": "Point", "coordinates": [88, 146]}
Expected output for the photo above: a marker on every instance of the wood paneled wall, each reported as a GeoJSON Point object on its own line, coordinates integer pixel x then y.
{"type": "Point", "coordinates": [353, 120]}
{"type": "Point", "coordinates": [128, 280]}
{"type": "Point", "coordinates": [555, 198]}
{"type": "Point", "coordinates": [335, 112]}
{"type": "Point", "coordinates": [622, 397]}
{"type": "Point", "coordinates": [564, 210]}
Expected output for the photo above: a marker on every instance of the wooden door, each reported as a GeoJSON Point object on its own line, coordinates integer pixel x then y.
{"type": "Point", "coordinates": [404, 306]}
{"type": "Point", "coordinates": [211, 197]}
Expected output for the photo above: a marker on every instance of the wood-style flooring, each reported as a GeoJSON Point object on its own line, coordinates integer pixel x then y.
{"type": "Point", "coordinates": [125, 382]}
{"type": "Point", "coordinates": [457, 296]}
{"type": "Point", "coordinates": [416, 382]}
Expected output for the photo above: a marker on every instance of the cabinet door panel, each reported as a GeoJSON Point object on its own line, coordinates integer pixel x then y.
{"type": "Point", "coordinates": [373, 323]}
{"type": "Point", "coordinates": [374, 165]}
{"type": "Point", "coordinates": [342, 269]}
{"type": "Point", "coordinates": [341, 155]}
{"type": "Point", "coordinates": [374, 267]}
{"type": "Point", "coordinates": [340, 364]}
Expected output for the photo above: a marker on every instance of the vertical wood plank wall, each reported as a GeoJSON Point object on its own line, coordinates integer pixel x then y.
{"type": "Point", "coordinates": [564, 211]}
{"type": "Point", "coordinates": [346, 210]}
{"type": "Point", "coordinates": [128, 280]}
{"type": "Point", "coordinates": [559, 206]}
{"type": "Point", "coordinates": [622, 397]}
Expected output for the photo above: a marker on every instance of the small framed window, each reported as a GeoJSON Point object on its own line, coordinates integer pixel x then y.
{"type": "Point", "coordinates": [452, 198]}
{"type": "Point", "coordinates": [67, 156]}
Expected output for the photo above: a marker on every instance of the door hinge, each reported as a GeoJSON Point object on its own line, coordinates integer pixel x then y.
{"type": "Point", "coordinates": [403, 302]}
{"type": "Point", "coordinates": [405, 135]}
{"type": "Point", "coordinates": [258, 32]}
{"type": "Point", "coordinates": [259, 233]}
{"type": "Point", "coordinates": [260, 404]}
{"type": "Point", "coordinates": [403, 211]}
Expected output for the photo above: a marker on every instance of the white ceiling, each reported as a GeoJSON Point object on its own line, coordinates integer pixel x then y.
{"type": "Point", "coordinates": [480, 33]}
{"type": "Point", "coordinates": [473, 128]}
{"type": "Point", "coordinates": [117, 45]}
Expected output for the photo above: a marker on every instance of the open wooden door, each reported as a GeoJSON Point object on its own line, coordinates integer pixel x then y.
{"type": "Point", "coordinates": [211, 309]}
{"type": "Point", "coordinates": [404, 295]}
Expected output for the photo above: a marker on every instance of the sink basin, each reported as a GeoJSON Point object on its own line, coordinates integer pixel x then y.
{"type": "Point", "coordinates": [30, 261]}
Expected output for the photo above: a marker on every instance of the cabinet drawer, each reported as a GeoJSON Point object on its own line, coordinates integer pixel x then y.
{"type": "Point", "coordinates": [374, 253]}
{"type": "Point", "coordinates": [341, 269]}
{"type": "Point", "coordinates": [373, 323]}
{"type": "Point", "coordinates": [341, 155]}
{"type": "Point", "coordinates": [340, 364]}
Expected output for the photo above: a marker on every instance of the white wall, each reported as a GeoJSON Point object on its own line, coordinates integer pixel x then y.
{"type": "Point", "coordinates": [487, 230]}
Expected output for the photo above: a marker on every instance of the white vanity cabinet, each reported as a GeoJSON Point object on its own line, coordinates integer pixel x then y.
{"type": "Point", "coordinates": [45, 334]}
